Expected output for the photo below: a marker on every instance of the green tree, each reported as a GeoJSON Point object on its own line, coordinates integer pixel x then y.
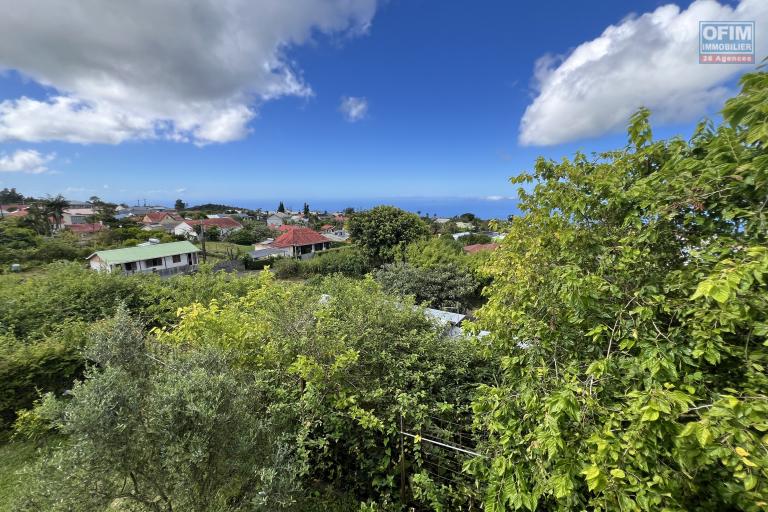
{"type": "Point", "coordinates": [628, 312]}
{"type": "Point", "coordinates": [435, 251]}
{"type": "Point", "coordinates": [306, 210]}
{"type": "Point", "coordinates": [10, 196]}
{"type": "Point", "coordinates": [348, 359]}
{"type": "Point", "coordinates": [54, 207]}
{"type": "Point", "coordinates": [442, 285]}
{"type": "Point", "coordinates": [156, 429]}
{"type": "Point", "coordinates": [384, 231]}
{"type": "Point", "coordinates": [281, 207]}
{"type": "Point", "coordinates": [179, 205]}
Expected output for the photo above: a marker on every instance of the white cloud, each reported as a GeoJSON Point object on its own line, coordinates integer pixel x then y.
{"type": "Point", "coordinates": [649, 60]}
{"type": "Point", "coordinates": [25, 160]}
{"type": "Point", "coordinates": [146, 69]}
{"type": "Point", "coordinates": [354, 108]}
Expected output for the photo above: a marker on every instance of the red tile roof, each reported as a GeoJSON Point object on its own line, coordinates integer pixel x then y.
{"type": "Point", "coordinates": [326, 226]}
{"type": "Point", "coordinates": [471, 249]}
{"type": "Point", "coordinates": [298, 236]}
{"type": "Point", "coordinates": [155, 217]}
{"type": "Point", "coordinates": [286, 227]}
{"type": "Point", "coordinates": [222, 223]}
{"type": "Point", "coordinates": [85, 228]}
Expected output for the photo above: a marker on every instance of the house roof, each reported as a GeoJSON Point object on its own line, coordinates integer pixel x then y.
{"type": "Point", "coordinates": [85, 228]}
{"type": "Point", "coordinates": [471, 249]}
{"type": "Point", "coordinates": [155, 217]}
{"type": "Point", "coordinates": [126, 254]}
{"type": "Point", "coordinates": [265, 253]}
{"type": "Point", "coordinates": [79, 211]}
{"type": "Point", "coordinates": [223, 222]}
{"type": "Point", "coordinates": [326, 226]}
{"type": "Point", "coordinates": [298, 236]}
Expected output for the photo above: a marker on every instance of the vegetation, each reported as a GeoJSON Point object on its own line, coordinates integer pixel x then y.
{"type": "Point", "coordinates": [622, 367]}
{"type": "Point", "coordinates": [384, 231]}
{"type": "Point", "coordinates": [43, 320]}
{"type": "Point", "coordinates": [251, 233]}
{"type": "Point", "coordinates": [346, 261]}
{"type": "Point", "coordinates": [628, 311]}
{"type": "Point", "coordinates": [443, 286]}
{"type": "Point", "coordinates": [249, 403]}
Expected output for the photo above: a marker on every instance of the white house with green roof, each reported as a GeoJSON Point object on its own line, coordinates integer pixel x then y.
{"type": "Point", "coordinates": [164, 259]}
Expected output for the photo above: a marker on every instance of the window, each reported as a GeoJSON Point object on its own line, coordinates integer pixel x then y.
{"type": "Point", "coordinates": [176, 258]}
{"type": "Point", "coordinates": [154, 262]}
{"type": "Point", "coordinates": [129, 266]}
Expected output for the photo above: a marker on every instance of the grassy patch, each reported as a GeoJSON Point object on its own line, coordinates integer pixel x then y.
{"type": "Point", "coordinates": [14, 455]}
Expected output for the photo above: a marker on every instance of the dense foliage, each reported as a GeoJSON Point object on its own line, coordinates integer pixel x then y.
{"type": "Point", "coordinates": [383, 232]}
{"type": "Point", "coordinates": [629, 311]}
{"type": "Point", "coordinates": [443, 286]}
{"type": "Point", "coordinates": [42, 319]}
{"type": "Point", "coordinates": [249, 403]}
{"type": "Point", "coordinates": [346, 261]}
{"type": "Point", "coordinates": [157, 429]}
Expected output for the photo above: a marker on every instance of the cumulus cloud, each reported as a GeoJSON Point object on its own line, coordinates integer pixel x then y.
{"type": "Point", "coordinates": [354, 108]}
{"type": "Point", "coordinates": [146, 69]}
{"type": "Point", "coordinates": [649, 60]}
{"type": "Point", "coordinates": [25, 160]}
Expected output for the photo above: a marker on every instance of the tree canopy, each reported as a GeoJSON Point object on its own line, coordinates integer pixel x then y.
{"type": "Point", "coordinates": [383, 231]}
{"type": "Point", "coordinates": [628, 313]}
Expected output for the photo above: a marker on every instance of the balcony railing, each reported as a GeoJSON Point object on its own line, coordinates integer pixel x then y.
{"type": "Point", "coordinates": [164, 272]}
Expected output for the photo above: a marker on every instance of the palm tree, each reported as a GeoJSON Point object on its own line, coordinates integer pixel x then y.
{"type": "Point", "coordinates": [37, 219]}
{"type": "Point", "coordinates": [55, 206]}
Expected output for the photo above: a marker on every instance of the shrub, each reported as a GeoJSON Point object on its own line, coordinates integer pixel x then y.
{"type": "Point", "coordinates": [287, 267]}
{"type": "Point", "coordinates": [441, 286]}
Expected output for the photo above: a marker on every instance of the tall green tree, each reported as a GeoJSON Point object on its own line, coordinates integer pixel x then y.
{"type": "Point", "coordinates": [54, 207]}
{"type": "Point", "coordinates": [383, 232]}
{"type": "Point", "coordinates": [9, 196]}
{"type": "Point", "coordinates": [629, 314]}
{"type": "Point", "coordinates": [281, 207]}
{"type": "Point", "coordinates": [179, 205]}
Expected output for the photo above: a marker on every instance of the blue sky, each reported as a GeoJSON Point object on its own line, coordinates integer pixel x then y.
{"type": "Point", "coordinates": [441, 90]}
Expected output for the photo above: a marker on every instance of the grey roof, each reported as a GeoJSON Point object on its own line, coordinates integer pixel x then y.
{"type": "Point", "coordinates": [265, 253]}
{"type": "Point", "coordinates": [445, 317]}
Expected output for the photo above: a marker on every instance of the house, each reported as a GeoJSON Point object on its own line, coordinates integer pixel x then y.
{"type": "Point", "coordinates": [263, 253]}
{"type": "Point", "coordinates": [442, 220]}
{"type": "Point", "coordinates": [327, 228]}
{"type": "Point", "coordinates": [474, 248]}
{"type": "Point", "coordinates": [468, 226]}
{"type": "Point", "coordinates": [302, 242]}
{"type": "Point", "coordinates": [225, 225]}
{"type": "Point", "coordinates": [274, 221]}
{"type": "Point", "coordinates": [85, 232]}
{"type": "Point", "coordinates": [164, 259]}
{"type": "Point", "coordinates": [72, 216]}
{"type": "Point", "coordinates": [166, 220]}
{"type": "Point", "coordinates": [456, 236]}
{"type": "Point", "coordinates": [13, 210]}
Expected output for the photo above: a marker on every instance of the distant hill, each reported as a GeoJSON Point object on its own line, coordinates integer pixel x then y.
{"type": "Point", "coordinates": [213, 207]}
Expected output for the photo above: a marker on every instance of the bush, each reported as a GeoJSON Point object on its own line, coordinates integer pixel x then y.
{"type": "Point", "coordinates": [287, 267]}
{"type": "Point", "coordinates": [28, 368]}
{"type": "Point", "coordinates": [441, 286]}
{"type": "Point", "coordinates": [347, 261]}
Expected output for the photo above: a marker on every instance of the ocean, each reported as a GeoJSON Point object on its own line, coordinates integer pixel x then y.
{"type": "Point", "coordinates": [484, 208]}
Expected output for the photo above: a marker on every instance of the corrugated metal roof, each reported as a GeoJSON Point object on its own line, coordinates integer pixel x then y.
{"type": "Point", "coordinates": [126, 254]}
